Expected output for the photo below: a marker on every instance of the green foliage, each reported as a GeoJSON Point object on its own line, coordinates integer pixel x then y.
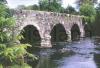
{"type": "Point", "coordinates": [70, 10]}
{"type": "Point", "coordinates": [80, 2]}
{"type": "Point", "coordinates": [21, 66]}
{"type": "Point", "coordinates": [1, 66]}
{"type": "Point", "coordinates": [19, 37]}
{"type": "Point", "coordinates": [5, 28]}
{"type": "Point", "coordinates": [50, 6]}
{"type": "Point", "coordinates": [88, 11]}
{"type": "Point", "coordinates": [15, 53]}
{"type": "Point", "coordinates": [97, 21]}
{"type": "Point", "coordinates": [98, 10]}
{"type": "Point", "coordinates": [11, 52]}
{"type": "Point", "coordinates": [3, 9]}
{"type": "Point", "coordinates": [3, 1]}
{"type": "Point", "coordinates": [32, 7]}
{"type": "Point", "coordinates": [21, 7]}
{"type": "Point", "coordinates": [6, 23]}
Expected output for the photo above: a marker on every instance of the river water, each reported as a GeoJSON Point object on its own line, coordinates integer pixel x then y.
{"type": "Point", "coordinates": [77, 54]}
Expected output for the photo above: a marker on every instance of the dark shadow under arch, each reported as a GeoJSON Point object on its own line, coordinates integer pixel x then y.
{"type": "Point", "coordinates": [75, 32]}
{"type": "Point", "coordinates": [58, 33]}
{"type": "Point", "coordinates": [88, 31]}
{"type": "Point", "coordinates": [31, 36]}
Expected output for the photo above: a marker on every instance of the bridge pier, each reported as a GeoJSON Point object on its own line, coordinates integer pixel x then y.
{"type": "Point", "coordinates": [46, 42]}
{"type": "Point", "coordinates": [69, 36]}
{"type": "Point", "coordinates": [82, 33]}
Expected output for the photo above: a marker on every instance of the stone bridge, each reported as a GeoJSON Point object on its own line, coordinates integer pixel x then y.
{"type": "Point", "coordinates": [45, 21]}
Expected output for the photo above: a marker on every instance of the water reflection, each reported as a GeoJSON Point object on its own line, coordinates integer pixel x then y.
{"type": "Point", "coordinates": [97, 59]}
{"type": "Point", "coordinates": [97, 54]}
{"type": "Point", "coordinates": [78, 54]}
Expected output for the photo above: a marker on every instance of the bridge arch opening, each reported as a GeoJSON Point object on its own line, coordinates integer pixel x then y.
{"type": "Point", "coordinates": [58, 34]}
{"type": "Point", "coordinates": [88, 31]}
{"type": "Point", "coordinates": [31, 36]}
{"type": "Point", "coordinates": [75, 32]}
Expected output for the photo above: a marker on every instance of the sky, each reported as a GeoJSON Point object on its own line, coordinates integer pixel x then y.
{"type": "Point", "coordinates": [15, 3]}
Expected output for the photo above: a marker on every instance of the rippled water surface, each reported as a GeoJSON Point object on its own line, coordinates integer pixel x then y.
{"type": "Point", "coordinates": [78, 54]}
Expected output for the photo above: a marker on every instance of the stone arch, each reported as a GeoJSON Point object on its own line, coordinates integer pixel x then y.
{"type": "Point", "coordinates": [75, 31]}
{"type": "Point", "coordinates": [58, 33]}
{"type": "Point", "coordinates": [33, 24]}
{"type": "Point", "coordinates": [31, 35]}
{"type": "Point", "coordinates": [87, 30]}
{"type": "Point", "coordinates": [54, 24]}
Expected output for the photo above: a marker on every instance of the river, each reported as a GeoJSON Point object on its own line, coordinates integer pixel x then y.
{"type": "Point", "coordinates": [77, 54]}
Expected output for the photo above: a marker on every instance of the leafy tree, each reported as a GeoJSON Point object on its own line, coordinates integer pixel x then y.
{"type": "Point", "coordinates": [10, 52]}
{"type": "Point", "coordinates": [21, 7]}
{"type": "Point", "coordinates": [88, 11]}
{"type": "Point", "coordinates": [6, 23]}
{"type": "Point", "coordinates": [50, 5]}
{"type": "Point", "coordinates": [70, 10]}
{"type": "Point", "coordinates": [32, 7]}
{"type": "Point", "coordinates": [80, 2]}
{"type": "Point", "coordinates": [98, 8]}
{"type": "Point", "coordinates": [97, 21]}
{"type": "Point", "coordinates": [3, 1]}
{"type": "Point", "coordinates": [14, 55]}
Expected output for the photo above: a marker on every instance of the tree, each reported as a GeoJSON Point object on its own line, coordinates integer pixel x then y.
{"type": "Point", "coordinates": [6, 23]}
{"type": "Point", "coordinates": [32, 7]}
{"type": "Point", "coordinates": [50, 5]}
{"type": "Point", "coordinates": [98, 8]}
{"type": "Point", "coordinates": [11, 53]}
{"type": "Point", "coordinates": [87, 9]}
{"type": "Point", "coordinates": [49, 1]}
{"type": "Point", "coordinates": [70, 10]}
{"type": "Point", "coordinates": [3, 1]}
{"type": "Point", "coordinates": [97, 21]}
{"type": "Point", "coordinates": [21, 7]}
{"type": "Point", "coordinates": [80, 2]}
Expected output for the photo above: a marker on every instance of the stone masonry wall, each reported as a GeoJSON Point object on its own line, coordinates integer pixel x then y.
{"type": "Point", "coordinates": [45, 21]}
